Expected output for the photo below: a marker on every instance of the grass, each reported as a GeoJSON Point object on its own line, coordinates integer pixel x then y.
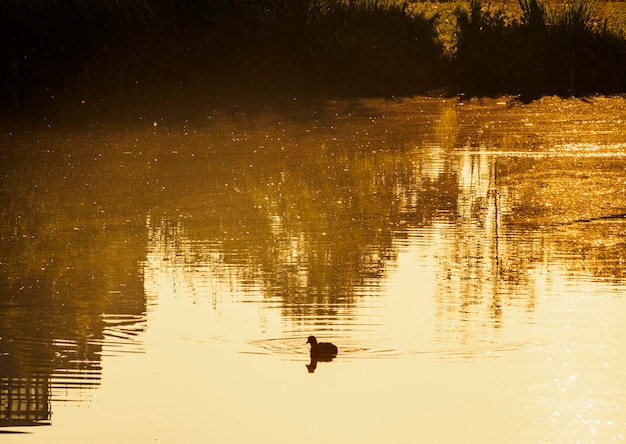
{"type": "Point", "coordinates": [560, 49]}
{"type": "Point", "coordinates": [358, 44]}
{"type": "Point", "coordinates": [104, 54]}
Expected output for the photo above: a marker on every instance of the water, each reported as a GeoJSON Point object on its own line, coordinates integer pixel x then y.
{"type": "Point", "coordinates": [158, 281]}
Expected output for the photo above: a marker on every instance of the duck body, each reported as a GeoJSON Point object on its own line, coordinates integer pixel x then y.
{"type": "Point", "coordinates": [321, 348]}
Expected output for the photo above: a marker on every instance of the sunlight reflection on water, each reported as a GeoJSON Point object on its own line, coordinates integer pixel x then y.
{"type": "Point", "coordinates": [467, 258]}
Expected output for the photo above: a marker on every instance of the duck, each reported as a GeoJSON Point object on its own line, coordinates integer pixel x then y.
{"type": "Point", "coordinates": [321, 348]}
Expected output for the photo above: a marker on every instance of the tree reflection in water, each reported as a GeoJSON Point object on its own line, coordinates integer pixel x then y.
{"type": "Point", "coordinates": [313, 209]}
{"type": "Point", "coordinates": [70, 287]}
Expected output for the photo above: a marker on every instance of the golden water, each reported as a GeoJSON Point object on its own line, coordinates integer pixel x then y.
{"type": "Point", "coordinates": [158, 281]}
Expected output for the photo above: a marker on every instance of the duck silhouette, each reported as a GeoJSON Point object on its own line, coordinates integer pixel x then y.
{"type": "Point", "coordinates": [321, 349]}
{"type": "Point", "coordinates": [320, 352]}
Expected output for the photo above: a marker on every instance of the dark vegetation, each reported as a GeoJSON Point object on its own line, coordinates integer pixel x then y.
{"type": "Point", "coordinates": [562, 50]}
{"type": "Point", "coordinates": [101, 55]}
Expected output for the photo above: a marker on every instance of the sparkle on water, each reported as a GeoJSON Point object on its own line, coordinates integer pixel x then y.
{"type": "Point", "coordinates": [158, 282]}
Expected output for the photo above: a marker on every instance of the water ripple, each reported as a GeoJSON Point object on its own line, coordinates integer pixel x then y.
{"type": "Point", "coordinates": [291, 346]}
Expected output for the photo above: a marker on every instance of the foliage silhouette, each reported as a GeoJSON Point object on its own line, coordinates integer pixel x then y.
{"type": "Point", "coordinates": [127, 54]}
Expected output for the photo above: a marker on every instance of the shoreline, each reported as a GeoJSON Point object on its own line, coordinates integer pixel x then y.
{"type": "Point", "coordinates": [117, 57]}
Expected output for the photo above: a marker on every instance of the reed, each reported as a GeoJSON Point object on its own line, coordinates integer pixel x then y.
{"type": "Point", "coordinates": [576, 16]}
{"type": "Point", "coordinates": [545, 50]}
{"type": "Point", "coordinates": [481, 57]}
{"type": "Point", "coordinates": [140, 50]}
{"type": "Point", "coordinates": [374, 42]}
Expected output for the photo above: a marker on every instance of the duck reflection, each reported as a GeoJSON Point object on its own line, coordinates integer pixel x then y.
{"type": "Point", "coordinates": [320, 352]}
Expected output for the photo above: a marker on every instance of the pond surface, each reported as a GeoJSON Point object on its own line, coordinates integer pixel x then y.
{"type": "Point", "coordinates": [158, 281]}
